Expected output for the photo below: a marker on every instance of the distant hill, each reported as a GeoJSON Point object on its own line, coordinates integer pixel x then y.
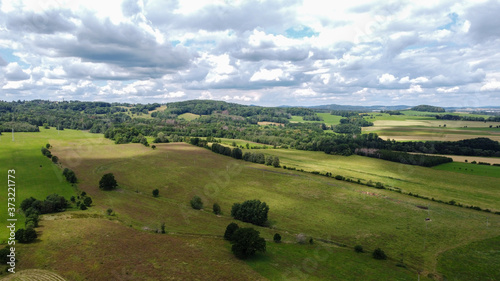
{"type": "Point", "coordinates": [428, 108]}
{"type": "Point", "coordinates": [359, 108]}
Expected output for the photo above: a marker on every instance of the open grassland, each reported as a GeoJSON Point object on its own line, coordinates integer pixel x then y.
{"type": "Point", "coordinates": [300, 203]}
{"type": "Point", "coordinates": [189, 116]}
{"type": "Point", "coordinates": [470, 169]}
{"type": "Point", "coordinates": [328, 119]}
{"type": "Point", "coordinates": [444, 185]}
{"type": "Point", "coordinates": [36, 175]}
{"type": "Point", "coordinates": [319, 207]}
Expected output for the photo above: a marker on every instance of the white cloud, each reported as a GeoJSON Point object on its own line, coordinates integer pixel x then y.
{"type": "Point", "coordinates": [386, 78]}
{"type": "Point", "coordinates": [491, 86]}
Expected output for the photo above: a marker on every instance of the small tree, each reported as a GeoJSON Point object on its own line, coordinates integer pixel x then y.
{"type": "Point", "coordinates": [358, 249]}
{"type": "Point", "coordinates": [196, 203]}
{"type": "Point", "coordinates": [47, 145]}
{"type": "Point", "coordinates": [379, 254]}
{"type": "Point", "coordinates": [216, 209]}
{"type": "Point", "coordinates": [83, 206]}
{"type": "Point", "coordinates": [277, 238]}
{"type": "Point", "coordinates": [156, 192]}
{"type": "Point", "coordinates": [230, 229]}
{"type": "Point", "coordinates": [246, 242]}
{"type": "Point", "coordinates": [108, 182]}
{"type": "Point", "coordinates": [163, 228]}
{"type": "Point", "coordinates": [109, 211]}
{"type": "Point", "coordinates": [276, 161]}
{"type": "Point", "coordinates": [87, 201]}
{"type": "Point", "coordinates": [153, 147]}
{"type": "Point", "coordinates": [55, 159]}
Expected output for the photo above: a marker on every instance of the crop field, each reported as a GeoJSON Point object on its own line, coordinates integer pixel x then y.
{"type": "Point", "coordinates": [417, 127]}
{"type": "Point", "coordinates": [319, 207]}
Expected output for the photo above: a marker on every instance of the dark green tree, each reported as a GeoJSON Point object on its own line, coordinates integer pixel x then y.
{"type": "Point", "coordinates": [55, 159]}
{"type": "Point", "coordinates": [276, 161]}
{"type": "Point", "coordinates": [196, 203]}
{"type": "Point", "coordinates": [252, 211]}
{"type": "Point", "coordinates": [216, 209]}
{"type": "Point", "coordinates": [358, 249]}
{"type": "Point", "coordinates": [156, 192]}
{"type": "Point", "coordinates": [277, 238]}
{"type": "Point", "coordinates": [379, 254]}
{"type": "Point", "coordinates": [230, 229]}
{"type": "Point", "coordinates": [108, 182]}
{"type": "Point", "coordinates": [109, 211]}
{"type": "Point", "coordinates": [246, 242]}
{"type": "Point", "coordinates": [87, 201]}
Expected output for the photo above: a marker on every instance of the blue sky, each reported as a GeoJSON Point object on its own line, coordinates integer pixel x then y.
{"type": "Point", "coordinates": [269, 53]}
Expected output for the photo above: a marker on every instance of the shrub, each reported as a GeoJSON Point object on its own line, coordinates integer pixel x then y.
{"type": "Point", "coordinates": [216, 209]}
{"type": "Point", "coordinates": [196, 203]}
{"type": "Point", "coordinates": [277, 238]}
{"type": "Point", "coordinates": [26, 235]}
{"type": "Point", "coordinates": [156, 192]}
{"type": "Point", "coordinates": [87, 201]}
{"type": "Point", "coordinates": [83, 206]}
{"type": "Point", "coordinates": [109, 211]}
{"type": "Point", "coordinates": [379, 254]}
{"type": "Point", "coordinates": [230, 230]}
{"type": "Point", "coordinates": [358, 249]}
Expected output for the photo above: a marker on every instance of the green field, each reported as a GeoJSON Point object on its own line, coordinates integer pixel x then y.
{"type": "Point", "coordinates": [328, 119]}
{"type": "Point", "coordinates": [188, 116]}
{"type": "Point", "coordinates": [470, 169]}
{"type": "Point", "coordinates": [319, 207]}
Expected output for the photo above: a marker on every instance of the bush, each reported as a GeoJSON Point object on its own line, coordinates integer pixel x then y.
{"type": "Point", "coordinates": [156, 192]}
{"type": "Point", "coordinates": [55, 159]}
{"type": "Point", "coordinates": [252, 211]}
{"type": "Point", "coordinates": [246, 242]}
{"type": "Point", "coordinates": [196, 203]}
{"type": "Point", "coordinates": [358, 249]}
{"type": "Point", "coordinates": [109, 211]}
{"type": "Point", "coordinates": [87, 201]}
{"type": "Point", "coordinates": [277, 238]}
{"type": "Point", "coordinates": [216, 209]}
{"type": "Point", "coordinates": [83, 207]}
{"type": "Point", "coordinates": [108, 182]}
{"type": "Point", "coordinates": [230, 230]}
{"type": "Point", "coordinates": [378, 254]}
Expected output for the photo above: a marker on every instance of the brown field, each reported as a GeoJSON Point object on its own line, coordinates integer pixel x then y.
{"type": "Point", "coordinates": [265, 123]}
{"type": "Point", "coordinates": [84, 248]}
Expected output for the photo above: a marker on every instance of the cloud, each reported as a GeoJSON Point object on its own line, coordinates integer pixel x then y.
{"type": "Point", "coordinates": [270, 53]}
{"type": "Point", "coordinates": [15, 73]}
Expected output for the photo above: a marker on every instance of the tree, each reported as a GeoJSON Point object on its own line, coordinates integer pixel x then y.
{"type": "Point", "coordinates": [87, 201]}
{"type": "Point", "coordinates": [246, 242]}
{"type": "Point", "coordinates": [109, 211]}
{"type": "Point", "coordinates": [156, 192]}
{"type": "Point", "coordinates": [216, 209]}
{"type": "Point", "coordinates": [196, 203]}
{"type": "Point", "coordinates": [82, 206]}
{"type": "Point", "coordinates": [163, 228]}
{"type": "Point", "coordinates": [108, 182]}
{"type": "Point", "coordinates": [153, 147]}
{"type": "Point", "coordinates": [277, 238]}
{"type": "Point", "coordinates": [47, 145]}
{"type": "Point", "coordinates": [378, 254]}
{"type": "Point", "coordinates": [276, 161]}
{"type": "Point", "coordinates": [252, 211]}
{"type": "Point", "coordinates": [26, 235]}
{"type": "Point", "coordinates": [55, 159]}
{"type": "Point", "coordinates": [230, 230]}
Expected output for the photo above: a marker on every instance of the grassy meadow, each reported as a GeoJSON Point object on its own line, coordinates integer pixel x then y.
{"type": "Point", "coordinates": [323, 208]}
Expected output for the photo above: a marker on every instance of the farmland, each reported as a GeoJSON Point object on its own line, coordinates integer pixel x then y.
{"type": "Point", "coordinates": [323, 208]}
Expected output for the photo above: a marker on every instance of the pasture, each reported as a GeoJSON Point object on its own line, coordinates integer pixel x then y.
{"type": "Point", "coordinates": [328, 119]}
{"type": "Point", "coordinates": [188, 116]}
{"type": "Point", "coordinates": [319, 207]}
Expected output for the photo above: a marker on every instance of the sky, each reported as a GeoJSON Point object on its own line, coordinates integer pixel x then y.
{"type": "Point", "coordinates": [270, 53]}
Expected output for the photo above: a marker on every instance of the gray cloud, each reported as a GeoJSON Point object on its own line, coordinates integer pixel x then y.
{"type": "Point", "coordinates": [48, 22]}
{"type": "Point", "coordinates": [2, 62]}
{"type": "Point", "coordinates": [484, 21]}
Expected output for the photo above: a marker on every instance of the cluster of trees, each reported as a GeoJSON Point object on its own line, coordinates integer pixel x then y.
{"type": "Point", "coordinates": [405, 158]}
{"type": "Point", "coordinates": [428, 108]}
{"type": "Point", "coordinates": [246, 242]}
{"type": "Point", "coordinates": [83, 202]}
{"type": "Point", "coordinates": [52, 204]}
{"type": "Point", "coordinates": [69, 175]}
{"type": "Point", "coordinates": [126, 135]}
{"type": "Point", "coordinates": [18, 126]}
{"type": "Point", "coordinates": [468, 118]}
{"type": "Point", "coordinates": [236, 152]}
{"type": "Point", "coordinates": [252, 211]}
